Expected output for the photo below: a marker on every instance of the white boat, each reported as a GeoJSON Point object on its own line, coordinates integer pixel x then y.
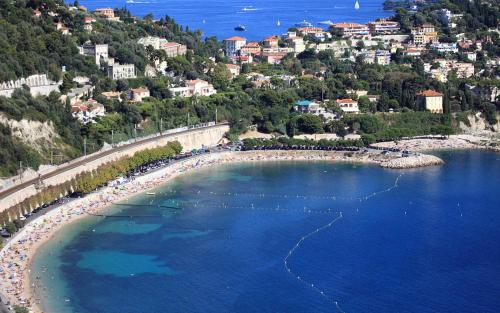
{"type": "Point", "coordinates": [304, 24]}
{"type": "Point", "coordinates": [151, 193]}
{"type": "Point", "coordinates": [328, 22]}
{"type": "Point", "coordinates": [279, 24]}
{"type": "Point", "coordinates": [356, 5]}
{"type": "Point", "coordinates": [249, 8]}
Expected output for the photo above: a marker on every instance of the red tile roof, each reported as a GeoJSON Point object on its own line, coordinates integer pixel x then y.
{"type": "Point", "coordinates": [236, 38]}
{"type": "Point", "coordinates": [252, 44]}
{"type": "Point", "coordinates": [196, 81]}
{"type": "Point", "coordinates": [348, 25]}
{"type": "Point", "coordinates": [430, 93]}
{"type": "Point", "coordinates": [310, 30]}
{"type": "Point", "coordinates": [272, 38]}
{"type": "Point", "coordinates": [79, 107]}
{"type": "Point", "coordinates": [345, 101]}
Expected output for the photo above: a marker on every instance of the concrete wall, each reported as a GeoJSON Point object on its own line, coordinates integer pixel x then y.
{"type": "Point", "coordinates": [194, 139]}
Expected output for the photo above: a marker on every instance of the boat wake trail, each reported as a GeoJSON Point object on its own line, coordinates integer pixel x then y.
{"type": "Point", "coordinates": [301, 279]}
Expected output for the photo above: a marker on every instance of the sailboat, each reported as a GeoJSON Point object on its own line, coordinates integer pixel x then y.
{"type": "Point", "coordinates": [279, 24]}
{"type": "Point", "coordinates": [356, 6]}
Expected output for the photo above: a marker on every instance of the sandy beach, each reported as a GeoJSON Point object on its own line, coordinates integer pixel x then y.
{"type": "Point", "coordinates": [18, 253]}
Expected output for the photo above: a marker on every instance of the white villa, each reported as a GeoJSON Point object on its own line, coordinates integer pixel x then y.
{"type": "Point", "coordinates": [96, 51]}
{"type": "Point", "coordinates": [195, 87]}
{"type": "Point", "coordinates": [348, 105]}
{"type": "Point", "coordinates": [234, 45]}
{"type": "Point", "coordinates": [120, 71]}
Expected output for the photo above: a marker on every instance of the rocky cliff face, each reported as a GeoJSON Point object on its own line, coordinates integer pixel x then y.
{"type": "Point", "coordinates": [40, 136]}
{"type": "Point", "coordinates": [478, 125]}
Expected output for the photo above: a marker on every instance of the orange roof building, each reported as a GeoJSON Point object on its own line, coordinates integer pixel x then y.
{"type": "Point", "coordinates": [235, 38]}
{"type": "Point", "coordinates": [107, 13]}
{"type": "Point", "coordinates": [234, 45]}
{"type": "Point", "coordinates": [348, 105]}
{"type": "Point", "coordinates": [271, 42]}
{"type": "Point", "coordinates": [430, 93]}
{"type": "Point", "coordinates": [350, 29]}
{"type": "Point", "coordinates": [432, 100]}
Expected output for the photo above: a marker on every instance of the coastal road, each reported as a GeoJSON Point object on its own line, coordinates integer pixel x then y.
{"type": "Point", "coordinates": [96, 156]}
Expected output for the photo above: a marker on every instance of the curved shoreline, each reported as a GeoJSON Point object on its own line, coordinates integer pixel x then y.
{"type": "Point", "coordinates": [17, 255]}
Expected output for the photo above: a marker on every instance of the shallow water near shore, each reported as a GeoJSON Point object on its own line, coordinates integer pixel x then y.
{"type": "Point", "coordinates": [424, 241]}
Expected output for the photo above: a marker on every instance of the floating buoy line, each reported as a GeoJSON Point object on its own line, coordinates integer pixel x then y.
{"type": "Point", "coordinates": [278, 209]}
{"type": "Point", "coordinates": [333, 197]}
{"type": "Point", "coordinates": [303, 280]}
{"type": "Point", "coordinates": [305, 237]}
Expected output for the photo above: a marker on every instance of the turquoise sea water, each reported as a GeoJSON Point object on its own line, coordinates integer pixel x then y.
{"type": "Point", "coordinates": [424, 240]}
{"type": "Point", "coordinates": [219, 17]}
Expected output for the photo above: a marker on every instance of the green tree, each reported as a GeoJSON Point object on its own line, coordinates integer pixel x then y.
{"type": "Point", "coordinates": [221, 76]}
{"type": "Point", "coordinates": [20, 309]}
{"type": "Point", "coordinates": [310, 124]}
{"type": "Point", "coordinates": [364, 104]}
{"type": "Point", "coordinates": [10, 228]}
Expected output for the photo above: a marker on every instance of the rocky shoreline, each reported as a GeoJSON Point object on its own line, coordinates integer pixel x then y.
{"type": "Point", "coordinates": [453, 142]}
{"type": "Point", "coordinates": [390, 160]}
{"type": "Point", "coordinates": [412, 162]}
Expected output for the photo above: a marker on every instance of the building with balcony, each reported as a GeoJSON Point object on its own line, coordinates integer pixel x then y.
{"type": "Point", "coordinates": [445, 47]}
{"type": "Point", "coordinates": [252, 48]}
{"type": "Point", "coordinates": [350, 29]}
{"type": "Point", "coordinates": [348, 105]}
{"type": "Point", "coordinates": [383, 27]}
{"type": "Point", "coordinates": [120, 71]}
{"type": "Point", "coordinates": [195, 87]}
{"type": "Point", "coordinates": [233, 45]}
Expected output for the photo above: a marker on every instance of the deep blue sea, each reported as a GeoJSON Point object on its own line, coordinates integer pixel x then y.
{"type": "Point", "coordinates": [355, 238]}
{"type": "Point", "coordinates": [219, 17]}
